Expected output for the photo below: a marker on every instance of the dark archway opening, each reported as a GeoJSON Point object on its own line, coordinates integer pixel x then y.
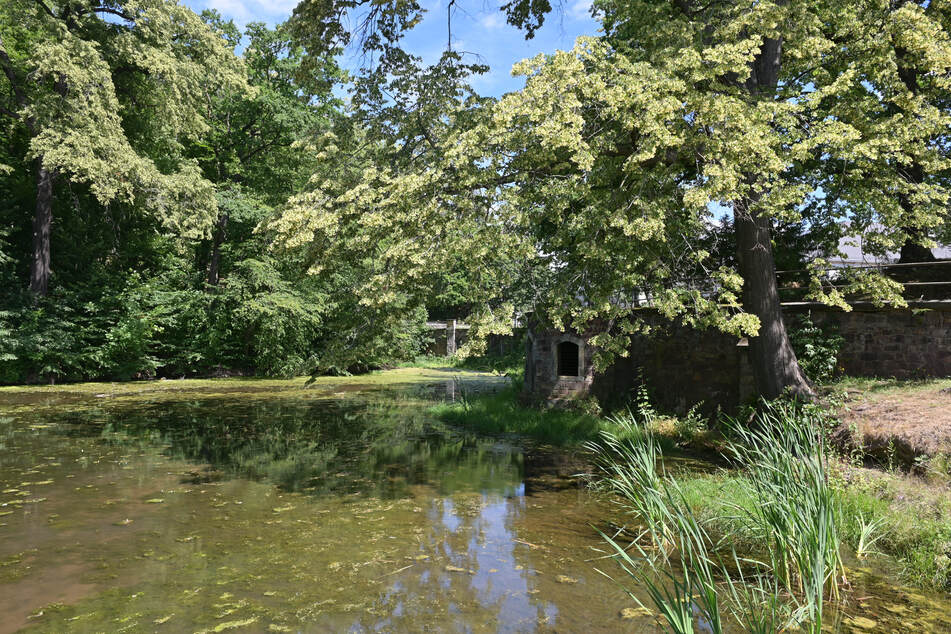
{"type": "Point", "coordinates": [568, 359]}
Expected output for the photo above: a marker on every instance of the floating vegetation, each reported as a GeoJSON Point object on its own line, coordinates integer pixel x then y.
{"type": "Point", "coordinates": [358, 513]}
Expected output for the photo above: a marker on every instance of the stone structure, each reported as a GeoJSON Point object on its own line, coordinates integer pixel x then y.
{"type": "Point", "coordinates": [447, 337]}
{"type": "Point", "coordinates": [682, 366]}
{"type": "Point", "coordinates": [558, 364]}
{"type": "Point", "coordinates": [904, 343]}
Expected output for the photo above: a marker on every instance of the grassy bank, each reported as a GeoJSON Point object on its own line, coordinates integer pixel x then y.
{"type": "Point", "coordinates": [501, 413]}
{"type": "Point", "coordinates": [909, 514]}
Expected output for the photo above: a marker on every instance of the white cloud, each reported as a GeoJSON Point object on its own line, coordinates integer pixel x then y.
{"type": "Point", "coordinates": [492, 21]}
{"type": "Point", "coordinates": [580, 9]}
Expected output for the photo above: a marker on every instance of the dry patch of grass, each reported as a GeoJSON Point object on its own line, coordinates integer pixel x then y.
{"type": "Point", "coordinates": [897, 422]}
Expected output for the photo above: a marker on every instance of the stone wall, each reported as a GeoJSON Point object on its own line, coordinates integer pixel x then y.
{"type": "Point", "coordinates": [542, 381]}
{"type": "Point", "coordinates": [446, 337]}
{"type": "Point", "coordinates": [904, 343]}
{"type": "Point", "coordinates": [682, 367]}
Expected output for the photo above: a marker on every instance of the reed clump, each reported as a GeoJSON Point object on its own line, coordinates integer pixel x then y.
{"type": "Point", "coordinates": [695, 578]}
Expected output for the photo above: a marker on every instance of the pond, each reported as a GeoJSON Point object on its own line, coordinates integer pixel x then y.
{"type": "Point", "coordinates": [339, 506]}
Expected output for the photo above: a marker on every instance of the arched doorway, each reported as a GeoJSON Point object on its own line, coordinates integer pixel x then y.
{"type": "Point", "coordinates": [568, 355]}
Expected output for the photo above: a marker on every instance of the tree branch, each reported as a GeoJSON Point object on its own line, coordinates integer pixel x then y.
{"type": "Point", "coordinates": [11, 75]}
{"type": "Point", "coordinates": [9, 113]}
{"type": "Point", "coordinates": [46, 9]}
{"type": "Point", "coordinates": [101, 9]}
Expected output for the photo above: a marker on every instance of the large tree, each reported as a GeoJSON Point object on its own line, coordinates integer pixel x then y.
{"type": "Point", "coordinates": [609, 164]}
{"type": "Point", "coordinates": [256, 143]}
{"type": "Point", "coordinates": [105, 93]}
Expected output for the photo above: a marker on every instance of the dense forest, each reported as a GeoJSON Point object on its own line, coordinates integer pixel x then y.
{"type": "Point", "coordinates": [182, 197]}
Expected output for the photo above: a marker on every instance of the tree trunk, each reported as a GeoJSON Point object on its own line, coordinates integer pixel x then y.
{"type": "Point", "coordinates": [42, 224]}
{"type": "Point", "coordinates": [214, 267]}
{"type": "Point", "coordinates": [775, 367]}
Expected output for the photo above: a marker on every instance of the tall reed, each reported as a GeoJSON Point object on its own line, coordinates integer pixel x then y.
{"type": "Point", "coordinates": [630, 460]}
{"type": "Point", "coordinates": [692, 579]}
{"type": "Point", "coordinates": [795, 512]}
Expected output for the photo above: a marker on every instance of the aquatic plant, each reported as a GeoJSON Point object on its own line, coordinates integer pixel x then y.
{"type": "Point", "coordinates": [869, 534]}
{"type": "Point", "coordinates": [796, 512]}
{"type": "Point", "coordinates": [793, 518]}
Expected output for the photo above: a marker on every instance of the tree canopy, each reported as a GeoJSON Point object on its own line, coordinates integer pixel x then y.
{"type": "Point", "coordinates": [213, 180]}
{"type": "Point", "coordinates": [607, 167]}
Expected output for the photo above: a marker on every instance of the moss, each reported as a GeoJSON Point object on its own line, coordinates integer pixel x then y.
{"type": "Point", "coordinates": [379, 377]}
{"type": "Point", "coordinates": [83, 396]}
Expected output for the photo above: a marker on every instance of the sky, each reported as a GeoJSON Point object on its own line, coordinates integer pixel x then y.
{"type": "Point", "coordinates": [478, 27]}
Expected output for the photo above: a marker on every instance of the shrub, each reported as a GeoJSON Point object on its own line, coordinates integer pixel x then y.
{"type": "Point", "coordinates": [817, 348]}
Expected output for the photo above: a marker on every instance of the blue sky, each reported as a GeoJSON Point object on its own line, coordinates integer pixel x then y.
{"type": "Point", "coordinates": [477, 27]}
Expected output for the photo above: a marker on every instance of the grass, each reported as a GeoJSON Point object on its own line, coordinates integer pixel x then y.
{"type": "Point", "coordinates": [512, 364]}
{"type": "Point", "coordinates": [501, 413]}
{"type": "Point", "coordinates": [793, 520]}
{"type": "Point", "coordinates": [883, 384]}
{"type": "Point", "coordinates": [376, 377]}
{"type": "Point", "coordinates": [913, 520]}
{"type": "Point", "coordinates": [77, 396]}
{"type": "Point", "coordinates": [920, 549]}
{"type": "Point", "coordinates": [720, 497]}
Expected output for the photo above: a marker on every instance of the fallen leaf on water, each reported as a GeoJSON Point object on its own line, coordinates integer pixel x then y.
{"type": "Point", "coordinates": [861, 622]}
{"type": "Point", "coordinates": [565, 579]}
{"type": "Point", "coordinates": [164, 619]}
{"type": "Point", "coordinates": [233, 625]}
{"type": "Point", "coordinates": [633, 613]}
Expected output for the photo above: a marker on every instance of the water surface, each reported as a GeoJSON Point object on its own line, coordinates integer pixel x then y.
{"type": "Point", "coordinates": [336, 507]}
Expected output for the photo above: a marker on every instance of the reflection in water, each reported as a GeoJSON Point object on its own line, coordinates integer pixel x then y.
{"type": "Point", "coordinates": [327, 514]}
{"type": "Point", "coordinates": [300, 513]}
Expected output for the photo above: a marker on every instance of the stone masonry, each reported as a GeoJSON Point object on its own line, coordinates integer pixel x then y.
{"type": "Point", "coordinates": [683, 367]}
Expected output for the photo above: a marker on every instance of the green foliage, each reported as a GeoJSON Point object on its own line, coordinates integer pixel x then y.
{"type": "Point", "coordinates": [817, 348]}
{"type": "Point", "coordinates": [791, 512]}
{"type": "Point", "coordinates": [690, 424]}
{"type": "Point", "coordinates": [602, 175]}
{"type": "Point", "coordinates": [106, 104]}
{"type": "Point", "coordinates": [171, 152]}
{"type": "Point", "coordinates": [501, 414]}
